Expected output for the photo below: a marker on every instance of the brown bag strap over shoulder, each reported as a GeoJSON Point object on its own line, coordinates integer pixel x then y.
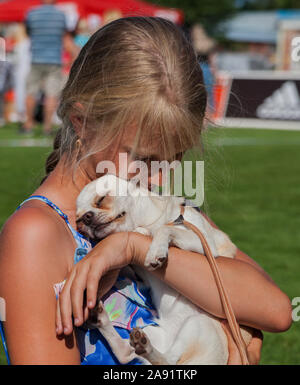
{"type": "Point", "coordinates": [227, 307]}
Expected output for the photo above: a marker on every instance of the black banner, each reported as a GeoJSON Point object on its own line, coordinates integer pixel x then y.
{"type": "Point", "coordinates": [268, 99]}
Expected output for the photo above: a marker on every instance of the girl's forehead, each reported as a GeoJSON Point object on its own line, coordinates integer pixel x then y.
{"type": "Point", "coordinates": [149, 144]}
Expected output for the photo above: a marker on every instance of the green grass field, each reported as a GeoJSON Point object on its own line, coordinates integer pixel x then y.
{"type": "Point", "coordinates": [252, 193]}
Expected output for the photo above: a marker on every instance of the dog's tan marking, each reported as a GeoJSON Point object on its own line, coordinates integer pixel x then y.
{"type": "Point", "coordinates": [191, 351]}
{"type": "Point", "coordinates": [106, 203]}
{"type": "Point", "coordinates": [227, 249]}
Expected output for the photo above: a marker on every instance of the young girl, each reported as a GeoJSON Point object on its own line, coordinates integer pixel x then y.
{"type": "Point", "coordinates": [135, 88]}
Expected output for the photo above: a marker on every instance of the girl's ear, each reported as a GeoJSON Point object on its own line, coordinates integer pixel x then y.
{"type": "Point", "coordinates": [76, 118]}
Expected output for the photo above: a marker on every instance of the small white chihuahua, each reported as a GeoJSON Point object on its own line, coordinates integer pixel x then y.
{"type": "Point", "coordinates": [185, 334]}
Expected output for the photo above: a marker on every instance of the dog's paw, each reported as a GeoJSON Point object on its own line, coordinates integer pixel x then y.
{"type": "Point", "coordinates": [140, 342]}
{"type": "Point", "coordinates": [156, 257]}
{"type": "Point", "coordinates": [98, 316]}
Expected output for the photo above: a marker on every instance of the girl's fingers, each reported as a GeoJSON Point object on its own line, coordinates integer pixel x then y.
{"type": "Point", "coordinates": [255, 346]}
{"type": "Point", "coordinates": [58, 323]}
{"type": "Point", "coordinates": [66, 306]}
{"type": "Point", "coordinates": [77, 292]}
{"type": "Point", "coordinates": [93, 278]}
{"type": "Point", "coordinates": [86, 313]}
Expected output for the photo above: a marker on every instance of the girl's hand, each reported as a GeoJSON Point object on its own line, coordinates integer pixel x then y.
{"type": "Point", "coordinates": [253, 349]}
{"type": "Point", "coordinates": [255, 346]}
{"type": "Point", "coordinates": [102, 263]}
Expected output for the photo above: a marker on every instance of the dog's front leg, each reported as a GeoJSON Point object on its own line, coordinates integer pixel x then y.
{"type": "Point", "coordinates": [185, 239]}
{"type": "Point", "coordinates": [175, 235]}
{"type": "Point", "coordinates": [158, 250]}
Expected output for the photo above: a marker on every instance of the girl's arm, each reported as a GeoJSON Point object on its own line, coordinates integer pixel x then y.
{"type": "Point", "coordinates": [257, 302]}
{"type": "Point", "coordinates": [30, 263]}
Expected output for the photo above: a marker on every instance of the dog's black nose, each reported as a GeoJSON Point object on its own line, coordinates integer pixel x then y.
{"type": "Point", "coordinates": [87, 218]}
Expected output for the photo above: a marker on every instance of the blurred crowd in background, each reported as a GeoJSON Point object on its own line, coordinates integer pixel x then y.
{"type": "Point", "coordinates": [24, 89]}
{"type": "Point", "coordinates": [31, 77]}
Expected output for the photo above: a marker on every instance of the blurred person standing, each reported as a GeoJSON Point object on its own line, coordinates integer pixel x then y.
{"type": "Point", "coordinates": [21, 70]}
{"type": "Point", "coordinates": [46, 26]}
{"type": "Point", "coordinates": [6, 84]}
{"type": "Point", "coordinates": [204, 47]}
{"type": "Point", "coordinates": [82, 34]}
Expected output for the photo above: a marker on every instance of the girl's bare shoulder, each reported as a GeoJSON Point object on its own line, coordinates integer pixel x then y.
{"type": "Point", "coordinates": [37, 236]}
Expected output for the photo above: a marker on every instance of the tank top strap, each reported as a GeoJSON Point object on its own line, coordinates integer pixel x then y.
{"type": "Point", "coordinates": [83, 245]}
{"type": "Point", "coordinates": [48, 202]}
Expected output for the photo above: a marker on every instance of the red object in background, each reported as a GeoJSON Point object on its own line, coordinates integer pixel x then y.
{"type": "Point", "coordinates": [135, 8]}
{"type": "Point", "coordinates": [221, 95]}
{"type": "Point", "coordinates": [67, 62]}
{"type": "Point", "coordinates": [9, 44]}
{"type": "Point", "coordinates": [15, 10]}
{"type": "Point", "coordinates": [9, 96]}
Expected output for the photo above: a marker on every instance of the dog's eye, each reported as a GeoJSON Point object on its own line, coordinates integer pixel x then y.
{"type": "Point", "coordinates": [121, 215]}
{"type": "Point", "coordinates": [98, 202]}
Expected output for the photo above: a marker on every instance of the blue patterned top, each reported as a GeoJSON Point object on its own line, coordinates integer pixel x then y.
{"type": "Point", "coordinates": [128, 305]}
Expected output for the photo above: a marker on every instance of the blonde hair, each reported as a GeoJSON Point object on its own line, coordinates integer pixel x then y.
{"type": "Point", "coordinates": [134, 70]}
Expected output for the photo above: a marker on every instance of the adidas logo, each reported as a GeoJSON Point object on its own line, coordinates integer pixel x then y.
{"type": "Point", "coordinates": [283, 104]}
